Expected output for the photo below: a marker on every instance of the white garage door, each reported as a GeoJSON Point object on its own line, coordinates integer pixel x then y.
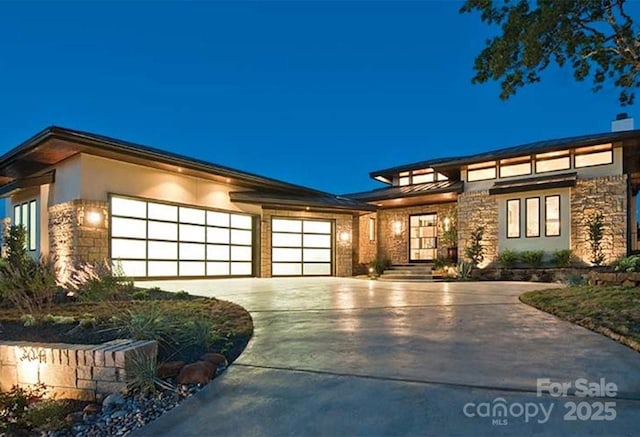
{"type": "Point", "coordinates": [150, 239]}
{"type": "Point", "coordinates": [301, 247]}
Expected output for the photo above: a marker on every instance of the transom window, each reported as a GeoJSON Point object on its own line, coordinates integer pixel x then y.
{"type": "Point", "coordinates": [421, 176]}
{"type": "Point", "coordinates": [26, 215]}
{"type": "Point", "coordinates": [152, 239]}
{"type": "Point", "coordinates": [482, 171]}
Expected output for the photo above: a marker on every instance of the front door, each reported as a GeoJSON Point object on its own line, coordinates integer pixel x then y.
{"type": "Point", "coordinates": [423, 237]}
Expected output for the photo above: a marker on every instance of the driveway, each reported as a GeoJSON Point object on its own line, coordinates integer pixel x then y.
{"type": "Point", "coordinates": [336, 356]}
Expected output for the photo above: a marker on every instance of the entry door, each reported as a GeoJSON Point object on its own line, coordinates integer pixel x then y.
{"type": "Point", "coordinates": [423, 237]}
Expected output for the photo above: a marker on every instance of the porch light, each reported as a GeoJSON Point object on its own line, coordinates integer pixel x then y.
{"type": "Point", "coordinates": [344, 236]}
{"type": "Point", "coordinates": [447, 223]}
{"type": "Point", "coordinates": [397, 228]}
{"type": "Point", "coordinates": [94, 218]}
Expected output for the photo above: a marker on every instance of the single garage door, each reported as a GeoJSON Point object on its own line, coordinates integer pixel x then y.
{"type": "Point", "coordinates": [301, 247]}
{"type": "Point", "coordinates": [153, 239]}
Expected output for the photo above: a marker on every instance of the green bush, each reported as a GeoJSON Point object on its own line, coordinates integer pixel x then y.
{"type": "Point", "coordinates": [14, 405]}
{"type": "Point", "coordinates": [380, 264]}
{"type": "Point", "coordinates": [508, 259]}
{"type": "Point", "coordinates": [475, 250]}
{"type": "Point", "coordinates": [140, 295]}
{"type": "Point", "coordinates": [464, 270]}
{"type": "Point", "coordinates": [27, 284]}
{"type": "Point", "coordinates": [575, 280]}
{"type": "Point", "coordinates": [48, 415]}
{"type": "Point", "coordinates": [628, 264]}
{"type": "Point", "coordinates": [141, 374]}
{"type": "Point", "coordinates": [532, 258]}
{"type": "Point", "coordinates": [595, 234]}
{"type": "Point", "coordinates": [98, 282]}
{"type": "Point", "coordinates": [562, 258]}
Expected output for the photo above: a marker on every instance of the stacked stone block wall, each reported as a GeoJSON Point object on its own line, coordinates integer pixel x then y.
{"type": "Point", "coordinates": [478, 208]}
{"type": "Point", "coordinates": [607, 195]}
{"type": "Point", "coordinates": [71, 371]}
{"type": "Point", "coordinates": [343, 258]}
{"type": "Point", "coordinates": [72, 239]}
{"type": "Point", "coordinates": [396, 247]}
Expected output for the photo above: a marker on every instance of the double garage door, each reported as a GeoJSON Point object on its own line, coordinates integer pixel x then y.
{"type": "Point", "coordinates": [153, 239]}
{"type": "Point", "coordinates": [150, 239]}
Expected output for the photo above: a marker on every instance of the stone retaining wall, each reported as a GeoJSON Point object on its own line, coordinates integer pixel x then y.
{"type": "Point", "coordinates": [72, 371]}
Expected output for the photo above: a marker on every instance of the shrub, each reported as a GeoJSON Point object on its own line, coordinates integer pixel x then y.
{"type": "Point", "coordinates": [140, 295]}
{"type": "Point", "coordinates": [141, 374]}
{"type": "Point", "coordinates": [595, 234]}
{"type": "Point", "coordinates": [532, 258]}
{"type": "Point", "coordinates": [628, 264]}
{"type": "Point", "coordinates": [27, 284]}
{"type": "Point", "coordinates": [94, 282]}
{"type": "Point", "coordinates": [380, 264]}
{"type": "Point", "coordinates": [181, 295]}
{"type": "Point", "coordinates": [475, 250]}
{"type": "Point", "coordinates": [508, 259]}
{"type": "Point", "coordinates": [575, 280]}
{"type": "Point", "coordinates": [14, 405]}
{"type": "Point", "coordinates": [464, 270]}
{"type": "Point", "coordinates": [562, 258]}
{"type": "Point", "coordinates": [48, 415]}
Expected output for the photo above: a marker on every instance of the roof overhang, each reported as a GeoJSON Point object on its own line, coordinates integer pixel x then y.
{"type": "Point", "coordinates": [19, 184]}
{"type": "Point", "coordinates": [54, 144]}
{"type": "Point", "coordinates": [284, 200]}
{"type": "Point", "coordinates": [534, 184]}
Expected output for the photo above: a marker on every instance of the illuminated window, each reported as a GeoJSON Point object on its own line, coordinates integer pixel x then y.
{"type": "Point", "coordinates": [404, 179]}
{"type": "Point", "coordinates": [515, 167]}
{"type": "Point", "coordinates": [423, 176]}
{"type": "Point", "coordinates": [594, 155]}
{"type": "Point", "coordinates": [532, 207]}
{"type": "Point", "coordinates": [513, 218]}
{"type": "Point", "coordinates": [372, 229]}
{"type": "Point", "coordinates": [26, 215]}
{"type": "Point", "coordinates": [482, 171]}
{"type": "Point", "coordinates": [301, 247]}
{"type": "Point", "coordinates": [552, 216]}
{"type": "Point", "coordinates": [553, 161]}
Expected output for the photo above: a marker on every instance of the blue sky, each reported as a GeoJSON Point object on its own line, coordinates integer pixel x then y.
{"type": "Point", "coordinates": [314, 93]}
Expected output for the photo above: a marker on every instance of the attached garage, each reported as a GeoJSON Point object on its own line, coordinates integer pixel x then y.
{"type": "Point", "coordinates": [157, 239]}
{"type": "Point", "coordinates": [301, 247]}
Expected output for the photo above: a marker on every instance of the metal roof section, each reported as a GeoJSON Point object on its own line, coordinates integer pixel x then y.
{"type": "Point", "coordinates": [408, 191]}
{"type": "Point", "coordinates": [327, 201]}
{"type": "Point", "coordinates": [510, 152]}
{"type": "Point", "coordinates": [534, 184]}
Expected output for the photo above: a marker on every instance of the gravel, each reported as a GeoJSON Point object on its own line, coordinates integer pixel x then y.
{"type": "Point", "coordinates": [119, 419]}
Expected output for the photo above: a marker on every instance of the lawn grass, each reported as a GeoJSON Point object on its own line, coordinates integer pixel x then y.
{"type": "Point", "coordinates": [611, 310]}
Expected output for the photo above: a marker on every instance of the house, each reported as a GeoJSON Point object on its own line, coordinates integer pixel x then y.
{"type": "Point", "coordinates": [86, 197]}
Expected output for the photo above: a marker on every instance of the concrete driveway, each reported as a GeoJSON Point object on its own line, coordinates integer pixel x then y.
{"type": "Point", "coordinates": [335, 356]}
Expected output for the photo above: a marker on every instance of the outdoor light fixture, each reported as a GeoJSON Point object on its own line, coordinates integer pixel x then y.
{"type": "Point", "coordinates": [94, 218]}
{"type": "Point", "coordinates": [397, 228]}
{"type": "Point", "coordinates": [344, 236]}
{"type": "Point", "coordinates": [447, 223]}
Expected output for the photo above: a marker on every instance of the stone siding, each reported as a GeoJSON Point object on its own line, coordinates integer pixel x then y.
{"type": "Point", "coordinates": [343, 251]}
{"type": "Point", "coordinates": [71, 371]}
{"type": "Point", "coordinates": [366, 250]}
{"type": "Point", "coordinates": [396, 247]}
{"type": "Point", "coordinates": [71, 239]}
{"type": "Point", "coordinates": [609, 196]}
{"type": "Point", "coordinates": [478, 208]}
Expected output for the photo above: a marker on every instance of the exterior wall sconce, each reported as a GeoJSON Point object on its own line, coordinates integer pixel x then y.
{"type": "Point", "coordinates": [94, 218]}
{"type": "Point", "coordinates": [397, 228]}
{"type": "Point", "coordinates": [344, 237]}
{"type": "Point", "coordinates": [447, 223]}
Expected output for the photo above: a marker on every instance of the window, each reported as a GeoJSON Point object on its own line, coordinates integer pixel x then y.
{"type": "Point", "coordinates": [552, 216]}
{"type": "Point", "coordinates": [404, 179]}
{"type": "Point", "coordinates": [513, 218]}
{"type": "Point", "coordinates": [482, 171]}
{"type": "Point", "coordinates": [553, 161]}
{"type": "Point", "coordinates": [423, 176]}
{"type": "Point", "coordinates": [372, 229]}
{"type": "Point", "coordinates": [515, 167]}
{"type": "Point", "coordinates": [594, 155]}
{"type": "Point", "coordinates": [532, 207]}
{"type": "Point", "coordinates": [26, 215]}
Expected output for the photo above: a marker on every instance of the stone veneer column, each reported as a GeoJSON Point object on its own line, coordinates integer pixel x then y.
{"type": "Point", "coordinates": [343, 250]}
{"type": "Point", "coordinates": [72, 239]}
{"type": "Point", "coordinates": [478, 208]}
{"type": "Point", "coordinates": [609, 196]}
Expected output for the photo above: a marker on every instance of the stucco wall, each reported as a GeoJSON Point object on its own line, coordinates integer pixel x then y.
{"type": "Point", "coordinates": [396, 247]}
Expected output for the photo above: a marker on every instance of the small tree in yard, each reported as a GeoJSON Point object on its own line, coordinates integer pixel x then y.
{"type": "Point", "coordinates": [595, 229]}
{"type": "Point", "coordinates": [475, 251]}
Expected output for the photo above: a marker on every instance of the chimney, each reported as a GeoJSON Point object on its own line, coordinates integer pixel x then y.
{"type": "Point", "coordinates": [622, 122]}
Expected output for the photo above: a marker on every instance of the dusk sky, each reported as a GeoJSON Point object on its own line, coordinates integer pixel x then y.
{"type": "Point", "coordinates": [313, 93]}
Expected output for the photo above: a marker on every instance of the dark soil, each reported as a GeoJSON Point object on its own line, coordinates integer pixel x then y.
{"type": "Point", "coordinates": [57, 333]}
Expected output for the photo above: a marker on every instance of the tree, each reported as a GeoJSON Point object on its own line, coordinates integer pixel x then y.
{"type": "Point", "coordinates": [475, 250]}
{"type": "Point", "coordinates": [597, 38]}
{"type": "Point", "coordinates": [595, 234]}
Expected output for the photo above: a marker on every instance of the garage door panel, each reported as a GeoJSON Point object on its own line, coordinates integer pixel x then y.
{"type": "Point", "coordinates": [127, 227]}
{"type": "Point", "coordinates": [163, 240]}
{"type": "Point", "coordinates": [301, 247]}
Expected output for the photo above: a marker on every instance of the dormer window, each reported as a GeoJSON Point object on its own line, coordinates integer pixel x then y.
{"type": "Point", "coordinates": [421, 176]}
{"type": "Point", "coordinates": [515, 166]}
{"type": "Point", "coordinates": [482, 171]}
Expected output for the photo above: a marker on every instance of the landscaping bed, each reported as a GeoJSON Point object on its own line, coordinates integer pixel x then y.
{"type": "Point", "coordinates": [610, 310]}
